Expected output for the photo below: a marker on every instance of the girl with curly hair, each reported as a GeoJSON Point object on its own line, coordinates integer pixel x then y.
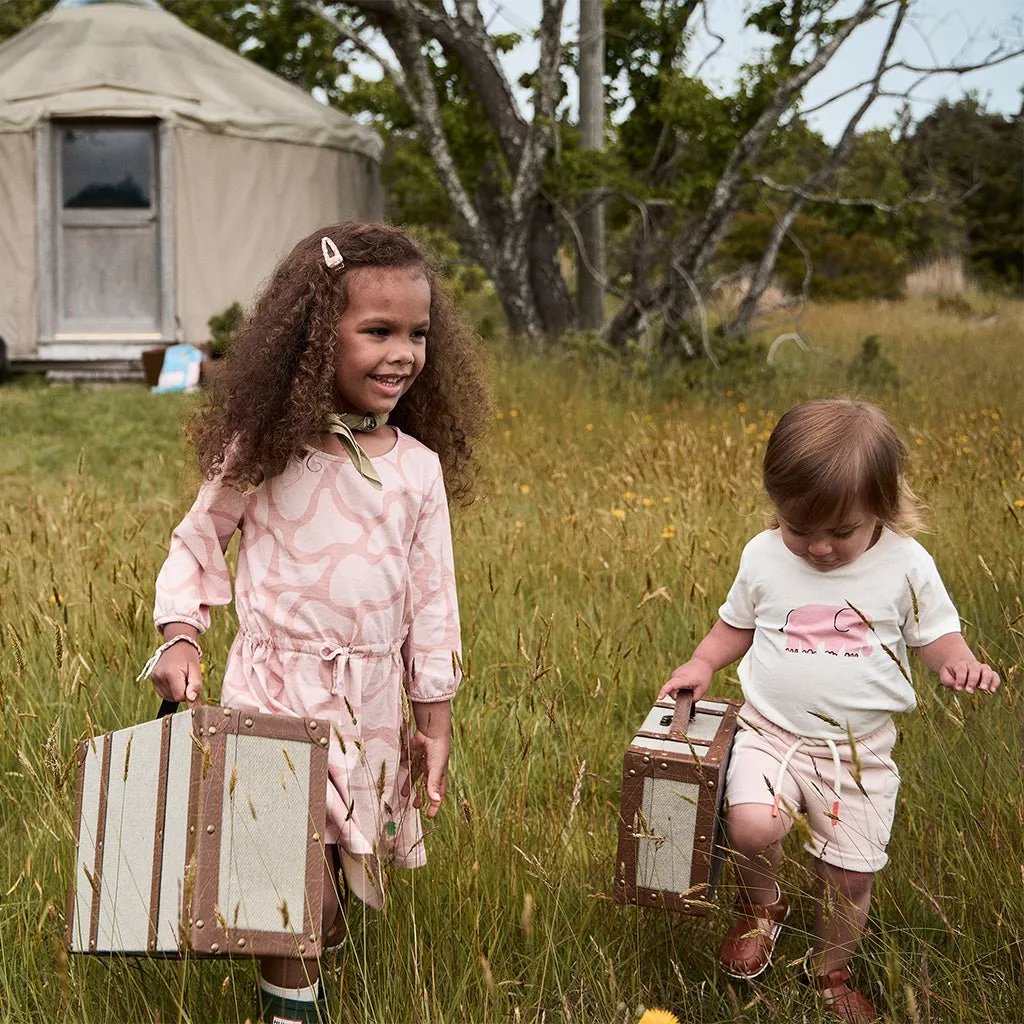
{"type": "Point", "coordinates": [348, 401]}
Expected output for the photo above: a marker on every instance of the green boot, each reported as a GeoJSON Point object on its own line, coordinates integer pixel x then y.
{"type": "Point", "coordinates": [280, 1010]}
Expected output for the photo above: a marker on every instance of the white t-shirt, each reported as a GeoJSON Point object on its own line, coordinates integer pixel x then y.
{"type": "Point", "coordinates": [813, 654]}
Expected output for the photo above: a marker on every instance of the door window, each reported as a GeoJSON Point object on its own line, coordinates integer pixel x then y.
{"type": "Point", "coordinates": [106, 168]}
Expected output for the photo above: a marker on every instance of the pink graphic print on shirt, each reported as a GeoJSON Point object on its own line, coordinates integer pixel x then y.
{"type": "Point", "coordinates": [841, 630]}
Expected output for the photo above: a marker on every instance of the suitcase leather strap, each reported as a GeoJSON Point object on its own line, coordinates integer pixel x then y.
{"type": "Point", "coordinates": [685, 710]}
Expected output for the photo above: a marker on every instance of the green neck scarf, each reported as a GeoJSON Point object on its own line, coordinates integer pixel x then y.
{"type": "Point", "coordinates": [346, 426]}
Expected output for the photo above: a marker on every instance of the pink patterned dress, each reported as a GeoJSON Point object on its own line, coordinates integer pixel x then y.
{"type": "Point", "coordinates": [346, 605]}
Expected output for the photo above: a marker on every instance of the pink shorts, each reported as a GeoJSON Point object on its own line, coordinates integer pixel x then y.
{"type": "Point", "coordinates": [848, 810]}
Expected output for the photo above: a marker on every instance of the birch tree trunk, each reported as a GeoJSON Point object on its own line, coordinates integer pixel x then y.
{"type": "Point", "coordinates": [514, 235]}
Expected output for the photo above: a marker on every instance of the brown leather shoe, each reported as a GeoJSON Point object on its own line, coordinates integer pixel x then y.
{"type": "Point", "coordinates": [843, 1001]}
{"type": "Point", "coordinates": [747, 950]}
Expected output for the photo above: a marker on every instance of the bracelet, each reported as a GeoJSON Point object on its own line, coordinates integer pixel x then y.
{"type": "Point", "coordinates": [147, 669]}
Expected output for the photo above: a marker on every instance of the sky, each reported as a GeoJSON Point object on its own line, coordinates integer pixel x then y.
{"type": "Point", "coordinates": [936, 31]}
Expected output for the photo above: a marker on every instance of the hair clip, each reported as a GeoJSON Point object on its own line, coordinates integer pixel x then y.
{"type": "Point", "coordinates": [332, 257]}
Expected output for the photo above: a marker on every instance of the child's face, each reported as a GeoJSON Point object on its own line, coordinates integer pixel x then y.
{"type": "Point", "coordinates": [382, 338]}
{"type": "Point", "coordinates": [839, 541]}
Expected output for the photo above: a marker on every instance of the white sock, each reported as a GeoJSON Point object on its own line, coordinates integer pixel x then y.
{"type": "Point", "coordinates": [300, 995]}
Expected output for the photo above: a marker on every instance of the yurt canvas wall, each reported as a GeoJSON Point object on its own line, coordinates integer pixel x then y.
{"type": "Point", "coordinates": [146, 185]}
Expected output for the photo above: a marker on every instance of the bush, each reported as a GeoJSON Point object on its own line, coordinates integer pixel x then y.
{"type": "Point", "coordinates": [853, 267]}
{"type": "Point", "coordinates": [222, 326]}
{"type": "Point", "coordinates": [869, 370]}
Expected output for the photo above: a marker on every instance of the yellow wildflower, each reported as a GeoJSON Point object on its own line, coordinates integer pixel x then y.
{"type": "Point", "coordinates": [513, 413]}
{"type": "Point", "coordinates": [658, 1017]}
{"type": "Point", "coordinates": [647, 502]}
{"type": "Point", "coordinates": [524, 489]}
{"type": "Point", "coordinates": [668, 533]}
{"type": "Point", "coordinates": [499, 415]}
{"type": "Point", "coordinates": [741, 407]}
{"type": "Point", "coordinates": [628, 495]}
{"type": "Point", "coordinates": [1019, 503]}
{"type": "Point", "coordinates": [619, 513]}
{"type": "Point", "coordinates": [590, 426]}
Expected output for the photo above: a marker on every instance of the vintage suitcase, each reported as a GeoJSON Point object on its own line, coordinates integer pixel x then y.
{"type": "Point", "coordinates": [201, 831]}
{"type": "Point", "coordinates": [670, 838]}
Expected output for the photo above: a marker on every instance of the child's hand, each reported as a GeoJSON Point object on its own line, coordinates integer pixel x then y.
{"type": "Point", "coordinates": [968, 674]}
{"type": "Point", "coordinates": [694, 675]}
{"type": "Point", "coordinates": [428, 758]}
{"type": "Point", "coordinates": [178, 676]}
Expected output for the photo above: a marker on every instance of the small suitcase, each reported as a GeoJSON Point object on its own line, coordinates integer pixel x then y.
{"type": "Point", "coordinates": [673, 782]}
{"type": "Point", "coordinates": [201, 832]}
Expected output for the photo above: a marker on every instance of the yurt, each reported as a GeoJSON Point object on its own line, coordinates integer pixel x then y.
{"type": "Point", "coordinates": [149, 178]}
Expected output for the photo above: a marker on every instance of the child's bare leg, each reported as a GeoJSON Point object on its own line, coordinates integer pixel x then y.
{"type": "Point", "coordinates": [841, 915]}
{"type": "Point", "coordinates": [755, 838]}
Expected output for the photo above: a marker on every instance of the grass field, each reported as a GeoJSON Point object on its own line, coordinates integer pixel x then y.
{"type": "Point", "coordinates": [612, 516]}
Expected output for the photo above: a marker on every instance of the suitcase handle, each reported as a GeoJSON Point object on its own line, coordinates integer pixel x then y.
{"type": "Point", "coordinates": [685, 711]}
{"type": "Point", "coordinates": [167, 707]}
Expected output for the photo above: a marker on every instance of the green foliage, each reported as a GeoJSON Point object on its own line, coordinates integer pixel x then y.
{"type": "Point", "coordinates": [843, 268]}
{"type": "Point", "coordinates": [871, 371]}
{"type": "Point", "coordinates": [462, 276]}
{"type": "Point", "coordinates": [279, 35]}
{"type": "Point", "coordinates": [741, 363]}
{"type": "Point", "coordinates": [971, 160]}
{"type": "Point", "coordinates": [222, 327]}
{"type": "Point", "coordinates": [414, 194]}
{"type": "Point", "coordinates": [16, 15]}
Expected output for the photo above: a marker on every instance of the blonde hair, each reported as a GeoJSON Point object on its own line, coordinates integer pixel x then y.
{"type": "Point", "coordinates": [824, 456]}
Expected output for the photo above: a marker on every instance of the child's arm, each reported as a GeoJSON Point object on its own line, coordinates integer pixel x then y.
{"type": "Point", "coordinates": [178, 675]}
{"type": "Point", "coordinates": [432, 648]}
{"type": "Point", "coordinates": [956, 666]}
{"type": "Point", "coordinates": [723, 645]}
{"type": "Point", "coordinates": [430, 748]}
{"type": "Point", "coordinates": [193, 578]}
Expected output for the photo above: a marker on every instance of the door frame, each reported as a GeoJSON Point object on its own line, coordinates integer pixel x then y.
{"type": "Point", "coordinates": [100, 344]}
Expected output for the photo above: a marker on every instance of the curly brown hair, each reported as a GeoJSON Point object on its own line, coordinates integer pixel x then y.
{"type": "Point", "coordinates": [275, 388]}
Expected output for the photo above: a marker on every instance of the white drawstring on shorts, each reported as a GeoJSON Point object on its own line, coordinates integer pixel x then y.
{"type": "Point", "coordinates": [837, 782]}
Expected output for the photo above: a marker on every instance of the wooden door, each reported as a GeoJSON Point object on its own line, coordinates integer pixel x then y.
{"type": "Point", "coordinates": [107, 230]}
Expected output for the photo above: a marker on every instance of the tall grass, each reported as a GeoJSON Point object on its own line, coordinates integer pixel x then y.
{"type": "Point", "coordinates": [943, 277]}
{"type": "Point", "coordinates": [612, 516]}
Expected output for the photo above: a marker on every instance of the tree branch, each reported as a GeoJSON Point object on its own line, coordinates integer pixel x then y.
{"type": "Point", "coordinates": [993, 60]}
{"type": "Point", "coordinates": [839, 155]}
{"type": "Point", "coordinates": [715, 219]}
{"type": "Point", "coordinates": [540, 138]}
{"type": "Point", "coordinates": [811, 197]}
{"type": "Point", "coordinates": [393, 74]}
{"type": "Point", "coordinates": [465, 36]}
